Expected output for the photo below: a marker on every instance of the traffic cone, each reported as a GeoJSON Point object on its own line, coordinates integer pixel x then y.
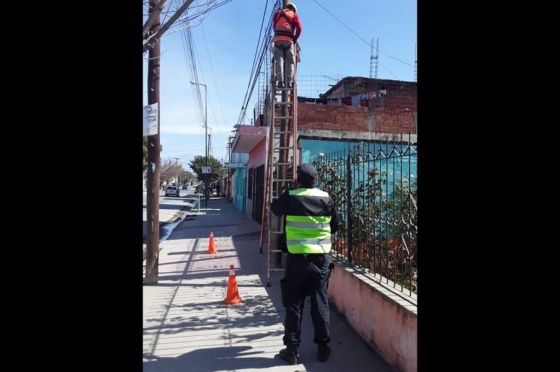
{"type": "Point", "coordinates": [232, 296]}
{"type": "Point", "coordinates": [211, 244]}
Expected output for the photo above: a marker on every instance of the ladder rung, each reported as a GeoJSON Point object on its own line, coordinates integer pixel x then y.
{"type": "Point", "coordinates": [282, 179]}
{"type": "Point", "coordinates": [282, 117]}
{"type": "Point", "coordinates": [283, 103]}
{"type": "Point", "coordinates": [277, 164]}
{"type": "Point", "coordinates": [282, 148]}
{"type": "Point", "coordinates": [283, 132]}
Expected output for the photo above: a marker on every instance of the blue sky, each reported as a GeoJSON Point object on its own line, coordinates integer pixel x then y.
{"type": "Point", "coordinates": [225, 41]}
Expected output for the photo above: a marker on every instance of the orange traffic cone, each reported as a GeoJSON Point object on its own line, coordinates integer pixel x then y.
{"type": "Point", "coordinates": [232, 296]}
{"type": "Point", "coordinates": [211, 244]}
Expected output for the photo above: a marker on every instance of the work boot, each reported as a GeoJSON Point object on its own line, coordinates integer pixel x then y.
{"type": "Point", "coordinates": [279, 84]}
{"type": "Point", "coordinates": [324, 352]}
{"type": "Point", "coordinates": [289, 356]}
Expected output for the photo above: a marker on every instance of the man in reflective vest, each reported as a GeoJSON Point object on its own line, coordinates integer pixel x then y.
{"type": "Point", "coordinates": [309, 220]}
{"type": "Point", "coordinates": [287, 28]}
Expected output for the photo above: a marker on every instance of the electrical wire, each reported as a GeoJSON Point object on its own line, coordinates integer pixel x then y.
{"type": "Point", "coordinates": [191, 62]}
{"type": "Point", "coordinates": [224, 125]}
{"type": "Point", "coordinates": [361, 38]}
{"type": "Point", "coordinates": [257, 63]}
{"type": "Point", "coordinates": [198, 16]}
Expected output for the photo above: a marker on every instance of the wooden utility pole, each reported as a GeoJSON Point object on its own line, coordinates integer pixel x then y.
{"type": "Point", "coordinates": [152, 254]}
{"type": "Point", "coordinates": [161, 29]}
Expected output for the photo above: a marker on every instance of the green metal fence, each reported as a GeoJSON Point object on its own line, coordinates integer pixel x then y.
{"type": "Point", "coordinates": [374, 187]}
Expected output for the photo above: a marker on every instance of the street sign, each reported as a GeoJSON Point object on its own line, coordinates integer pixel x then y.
{"type": "Point", "coordinates": [206, 169]}
{"type": "Point", "coordinates": [151, 119]}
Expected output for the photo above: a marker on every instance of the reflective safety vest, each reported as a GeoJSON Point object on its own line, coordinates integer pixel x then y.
{"type": "Point", "coordinates": [283, 28]}
{"type": "Point", "coordinates": [308, 234]}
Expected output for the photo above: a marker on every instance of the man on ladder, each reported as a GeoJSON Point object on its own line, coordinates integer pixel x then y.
{"type": "Point", "coordinates": [287, 28]}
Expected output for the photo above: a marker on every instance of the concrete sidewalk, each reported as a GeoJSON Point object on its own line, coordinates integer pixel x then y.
{"type": "Point", "coordinates": [187, 327]}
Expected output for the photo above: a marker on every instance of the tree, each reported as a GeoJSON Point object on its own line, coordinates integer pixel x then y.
{"type": "Point", "coordinates": [217, 170]}
{"type": "Point", "coordinates": [187, 176]}
{"type": "Point", "coordinates": [170, 170]}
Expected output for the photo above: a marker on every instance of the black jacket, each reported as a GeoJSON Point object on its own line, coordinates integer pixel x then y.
{"type": "Point", "coordinates": [306, 206]}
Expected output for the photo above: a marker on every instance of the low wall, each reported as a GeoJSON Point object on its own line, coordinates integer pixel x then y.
{"type": "Point", "coordinates": [387, 322]}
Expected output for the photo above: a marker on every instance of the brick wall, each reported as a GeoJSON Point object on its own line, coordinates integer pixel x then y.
{"type": "Point", "coordinates": [318, 116]}
{"type": "Point", "coordinates": [350, 118]}
{"type": "Point", "coordinates": [394, 121]}
{"type": "Point", "coordinates": [395, 112]}
{"type": "Point", "coordinates": [400, 95]}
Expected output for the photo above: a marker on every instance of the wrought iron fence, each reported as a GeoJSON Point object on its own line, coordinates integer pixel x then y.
{"type": "Point", "coordinates": [374, 187]}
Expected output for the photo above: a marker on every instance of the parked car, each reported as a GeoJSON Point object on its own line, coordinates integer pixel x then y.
{"type": "Point", "coordinates": [172, 191]}
{"type": "Point", "coordinates": [185, 187]}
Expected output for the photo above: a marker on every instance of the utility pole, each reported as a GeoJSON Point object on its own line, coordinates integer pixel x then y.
{"type": "Point", "coordinates": [154, 12]}
{"type": "Point", "coordinates": [152, 244]}
{"type": "Point", "coordinates": [150, 41]}
{"type": "Point", "coordinates": [178, 173]}
{"type": "Point", "coordinates": [205, 122]}
{"type": "Point", "coordinates": [210, 143]}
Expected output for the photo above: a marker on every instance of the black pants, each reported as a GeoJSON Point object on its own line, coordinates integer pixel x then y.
{"type": "Point", "coordinates": [306, 276]}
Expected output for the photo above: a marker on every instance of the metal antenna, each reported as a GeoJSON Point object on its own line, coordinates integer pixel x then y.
{"type": "Point", "coordinates": [372, 57]}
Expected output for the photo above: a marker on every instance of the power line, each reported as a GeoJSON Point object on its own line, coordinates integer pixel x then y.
{"type": "Point", "coordinates": [247, 94]}
{"type": "Point", "coordinates": [396, 59]}
{"type": "Point", "coordinates": [395, 76]}
{"type": "Point", "coordinates": [194, 60]}
{"type": "Point", "coordinates": [198, 16]}
{"type": "Point", "coordinates": [256, 71]}
{"type": "Point", "coordinates": [361, 38]}
{"type": "Point", "coordinates": [152, 16]}
{"type": "Point", "coordinates": [215, 82]}
{"type": "Point", "coordinates": [166, 13]}
{"type": "Point", "coordinates": [149, 42]}
{"type": "Point", "coordinates": [338, 19]}
{"type": "Point", "coordinates": [188, 46]}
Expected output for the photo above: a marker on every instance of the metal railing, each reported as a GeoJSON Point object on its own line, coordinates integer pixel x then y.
{"type": "Point", "coordinates": [374, 187]}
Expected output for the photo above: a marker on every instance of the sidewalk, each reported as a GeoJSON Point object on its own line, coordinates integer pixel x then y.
{"type": "Point", "coordinates": [187, 327]}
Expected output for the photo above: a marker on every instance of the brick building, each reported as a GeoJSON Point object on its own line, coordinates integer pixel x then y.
{"type": "Point", "coordinates": [355, 109]}
{"type": "Point", "coordinates": [387, 106]}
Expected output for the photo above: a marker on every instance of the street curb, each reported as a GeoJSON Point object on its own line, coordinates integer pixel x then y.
{"type": "Point", "coordinates": [177, 216]}
{"type": "Point", "coordinates": [174, 218]}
